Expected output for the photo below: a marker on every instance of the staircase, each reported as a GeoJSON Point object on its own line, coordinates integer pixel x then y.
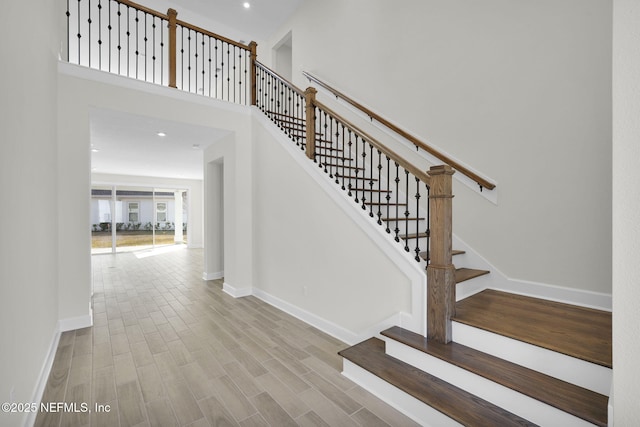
{"type": "Point", "coordinates": [556, 372]}
{"type": "Point", "coordinates": [513, 360]}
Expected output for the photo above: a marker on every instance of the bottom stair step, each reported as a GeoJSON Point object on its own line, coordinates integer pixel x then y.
{"type": "Point", "coordinates": [577, 401]}
{"type": "Point", "coordinates": [455, 403]}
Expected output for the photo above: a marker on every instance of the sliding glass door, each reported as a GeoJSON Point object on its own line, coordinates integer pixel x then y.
{"type": "Point", "coordinates": [136, 218]}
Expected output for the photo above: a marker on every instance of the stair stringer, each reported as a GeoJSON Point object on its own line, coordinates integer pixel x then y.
{"type": "Point", "coordinates": [511, 400]}
{"type": "Point", "coordinates": [413, 321]}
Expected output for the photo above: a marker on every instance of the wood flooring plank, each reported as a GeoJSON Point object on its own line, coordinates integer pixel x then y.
{"type": "Point", "coordinates": [216, 413]}
{"type": "Point", "coordinates": [160, 414]}
{"type": "Point", "coordinates": [333, 393]}
{"type": "Point", "coordinates": [271, 411]}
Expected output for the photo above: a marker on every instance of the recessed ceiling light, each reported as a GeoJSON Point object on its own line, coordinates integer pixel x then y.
{"type": "Point", "coordinates": [246, 5]}
{"type": "Point", "coordinates": [195, 146]}
{"type": "Point", "coordinates": [95, 150]}
{"type": "Point", "coordinates": [161, 134]}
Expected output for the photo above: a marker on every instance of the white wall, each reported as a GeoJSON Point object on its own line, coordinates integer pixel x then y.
{"type": "Point", "coordinates": [311, 255]}
{"type": "Point", "coordinates": [195, 207]}
{"type": "Point", "coordinates": [626, 208]}
{"type": "Point", "coordinates": [520, 91]}
{"type": "Point", "coordinates": [28, 172]}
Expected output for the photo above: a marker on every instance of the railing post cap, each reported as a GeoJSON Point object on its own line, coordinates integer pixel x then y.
{"type": "Point", "coordinates": [172, 12]}
{"type": "Point", "coordinates": [311, 90]}
{"type": "Point", "coordinates": [441, 170]}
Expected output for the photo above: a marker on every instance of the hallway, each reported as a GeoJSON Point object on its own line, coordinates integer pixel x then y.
{"type": "Point", "coordinates": [168, 348]}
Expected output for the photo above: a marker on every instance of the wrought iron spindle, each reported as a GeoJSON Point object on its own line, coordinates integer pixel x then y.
{"type": "Point", "coordinates": [128, 43]}
{"type": "Point", "coordinates": [79, 35]}
{"type": "Point", "coordinates": [387, 195]}
{"type": "Point", "coordinates": [371, 180]}
{"type": "Point", "coordinates": [137, 39]}
{"type": "Point", "coordinates": [364, 174]}
{"type": "Point", "coordinates": [379, 187]}
{"type": "Point", "coordinates": [417, 250]}
{"type": "Point", "coordinates": [397, 217]}
{"type": "Point", "coordinates": [100, 34]}
{"type": "Point", "coordinates": [349, 144]}
{"type": "Point", "coordinates": [119, 13]}
{"type": "Point", "coordinates": [406, 211]}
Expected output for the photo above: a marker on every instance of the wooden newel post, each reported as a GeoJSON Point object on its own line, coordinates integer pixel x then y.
{"type": "Point", "coordinates": [441, 284]}
{"type": "Point", "coordinates": [253, 47]}
{"type": "Point", "coordinates": [310, 121]}
{"type": "Point", "coordinates": [173, 15]}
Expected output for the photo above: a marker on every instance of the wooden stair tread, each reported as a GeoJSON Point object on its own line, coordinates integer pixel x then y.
{"type": "Point", "coordinates": [454, 252]}
{"type": "Point", "coordinates": [413, 236]}
{"type": "Point", "coordinates": [463, 274]}
{"type": "Point", "coordinates": [374, 190]}
{"type": "Point", "coordinates": [579, 332]}
{"type": "Point", "coordinates": [455, 403]}
{"type": "Point", "coordinates": [385, 203]}
{"type": "Point", "coordinates": [402, 219]}
{"type": "Point", "coordinates": [365, 178]}
{"type": "Point", "coordinates": [578, 401]}
{"type": "Point", "coordinates": [275, 113]}
{"type": "Point", "coordinates": [341, 166]}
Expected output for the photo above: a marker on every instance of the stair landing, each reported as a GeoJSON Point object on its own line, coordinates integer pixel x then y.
{"type": "Point", "coordinates": [579, 332]}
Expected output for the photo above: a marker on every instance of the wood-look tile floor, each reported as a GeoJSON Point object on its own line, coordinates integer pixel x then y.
{"type": "Point", "coordinates": [169, 349]}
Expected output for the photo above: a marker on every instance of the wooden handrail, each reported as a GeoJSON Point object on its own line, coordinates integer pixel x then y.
{"type": "Point", "coordinates": [378, 145]}
{"type": "Point", "coordinates": [144, 9]}
{"type": "Point", "coordinates": [279, 77]}
{"type": "Point", "coordinates": [214, 35]}
{"type": "Point", "coordinates": [483, 183]}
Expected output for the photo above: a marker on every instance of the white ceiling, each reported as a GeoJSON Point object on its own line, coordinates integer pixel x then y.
{"type": "Point", "coordinates": [130, 145]}
{"type": "Point", "coordinates": [258, 22]}
{"type": "Point", "coordinates": [126, 144]}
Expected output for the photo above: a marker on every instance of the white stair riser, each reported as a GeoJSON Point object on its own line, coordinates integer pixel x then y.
{"type": "Point", "coordinates": [508, 399]}
{"type": "Point", "coordinates": [570, 369]}
{"type": "Point", "coordinates": [413, 408]}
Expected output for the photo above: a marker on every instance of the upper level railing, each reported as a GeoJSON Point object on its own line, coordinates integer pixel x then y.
{"type": "Point", "coordinates": [412, 205]}
{"type": "Point", "coordinates": [482, 182]}
{"type": "Point", "coordinates": [123, 37]}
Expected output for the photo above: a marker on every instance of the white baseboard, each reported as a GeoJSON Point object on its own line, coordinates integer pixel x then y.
{"type": "Point", "coordinates": [213, 276]}
{"type": "Point", "coordinates": [43, 377]}
{"type": "Point", "coordinates": [235, 291]}
{"type": "Point", "coordinates": [500, 281]}
{"type": "Point", "coordinates": [73, 323]}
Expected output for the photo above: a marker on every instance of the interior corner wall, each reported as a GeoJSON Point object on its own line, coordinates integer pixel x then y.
{"type": "Point", "coordinates": [626, 206]}
{"type": "Point", "coordinates": [29, 216]}
{"type": "Point", "coordinates": [519, 91]}
{"type": "Point", "coordinates": [194, 199]}
{"type": "Point", "coordinates": [234, 152]}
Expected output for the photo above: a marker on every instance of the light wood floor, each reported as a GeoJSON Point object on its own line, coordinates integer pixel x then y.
{"type": "Point", "coordinates": [169, 349]}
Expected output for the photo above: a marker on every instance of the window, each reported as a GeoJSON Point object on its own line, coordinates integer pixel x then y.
{"type": "Point", "coordinates": [161, 212]}
{"type": "Point", "coordinates": [134, 210]}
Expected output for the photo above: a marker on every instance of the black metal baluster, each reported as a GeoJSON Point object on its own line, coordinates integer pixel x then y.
{"type": "Point", "coordinates": [364, 175]}
{"type": "Point", "coordinates": [397, 218]}
{"type": "Point", "coordinates": [182, 58]}
{"type": "Point", "coordinates": [162, 51]}
{"type": "Point", "coordinates": [235, 76]}
{"type": "Point", "coordinates": [137, 41]}
{"type": "Point", "coordinates": [109, 28]}
{"type": "Point", "coordinates": [406, 212]}
{"type": "Point", "coordinates": [357, 157]}
{"type": "Point", "coordinates": [153, 48]}
{"type": "Point", "coordinates": [216, 66]}
{"type": "Point", "coordinates": [145, 47]}
{"type": "Point", "coordinates": [228, 72]}
{"type": "Point", "coordinates": [348, 162]}
{"type": "Point", "coordinates": [379, 187]}
{"type": "Point", "coordinates": [371, 180]}
{"type": "Point", "coordinates": [128, 44]}
{"type": "Point", "coordinates": [79, 35]}
{"type": "Point", "coordinates": [388, 196]}
{"type": "Point", "coordinates": [417, 250]}
{"type": "Point", "coordinates": [68, 14]}
{"type": "Point", "coordinates": [100, 34]}
{"type": "Point", "coordinates": [209, 39]}
{"type": "Point", "coordinates": [119, 13]}
{"type": "Point", "coordinates": [189, 60]}
{"type": "Point", "coordinates": [89, 32]}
